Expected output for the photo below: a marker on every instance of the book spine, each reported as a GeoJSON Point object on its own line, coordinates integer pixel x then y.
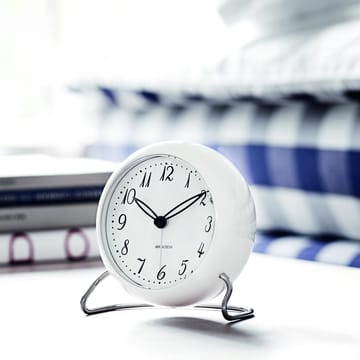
{"type": "Point", "coordinates": [53, 181]}
{"type": "Point", "coordinates": [47, 217]}
{"type": "Point", "coordinates": [50, 196]}
{"type": "Point", "coordinates": [54, 246]}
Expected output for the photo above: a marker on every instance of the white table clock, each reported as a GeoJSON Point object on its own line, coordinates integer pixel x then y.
{"type": "Point", "coordinates": [175, 225]}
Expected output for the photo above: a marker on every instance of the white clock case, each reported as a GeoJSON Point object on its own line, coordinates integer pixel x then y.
{"type": "Point", "coordinates": [234, 233]}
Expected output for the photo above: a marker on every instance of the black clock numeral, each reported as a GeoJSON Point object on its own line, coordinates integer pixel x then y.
{"type": "Point", "coordinates": [161, 274]}
{"type": "Point", "coordinates": [122, 221]}
{"type": "Point", "coordinates": [183, 267]}
{"type": "Point", "coordinates": [201, 250]}
{"type": "Point", "coordinates": [129, 197]}
{"type": "Point", "coordinates": [125, 248]}
{"type": "Point", "coordinates": [187, 184]}
{"type": "Point", "coordinates": [202, 202]}
{"type": "Point", "coordinates": [166, 174]}
{"type": "Point", "coordinates": [142, 264]}
{"type": "Point", "coordinates": [208, 226]}
{"type": "Point", "coordinates": [145, 182]}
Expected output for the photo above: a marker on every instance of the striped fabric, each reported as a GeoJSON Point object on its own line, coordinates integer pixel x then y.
{"type": "Point", "coordinates": [326, 250]}
{"type": "Point", "coordinates": [285, 110]}
{"type": "Point", "coordinates": [302, 159]}
{"type": "Point", "coordinates": [139, 99]}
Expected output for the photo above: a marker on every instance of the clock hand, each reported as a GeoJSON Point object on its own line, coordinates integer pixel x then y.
{"type": "Point", "coordinates": [184, 205]}
{"type": "Point", "coordinates": [159, 221]}
{"type": "Point", "coordinates": [146, 208]}
{"type": "Point", "coordinates": [161, 247]}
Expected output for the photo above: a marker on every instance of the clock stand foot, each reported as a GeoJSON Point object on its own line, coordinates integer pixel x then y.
{"type": "Point", "coordinates": [230, 313]}
{"type": "Point", "coordinates": [107, 308]}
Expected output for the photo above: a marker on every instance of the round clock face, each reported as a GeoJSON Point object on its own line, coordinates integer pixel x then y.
{"type": "Point", "coordinates": [159, 222]}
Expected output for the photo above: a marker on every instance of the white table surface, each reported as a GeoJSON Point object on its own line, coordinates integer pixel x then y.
{"type": "Point", "coordinates": [303, 311]}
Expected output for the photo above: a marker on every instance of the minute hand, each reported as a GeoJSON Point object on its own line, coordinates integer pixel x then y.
{"type": "Point", "coordinates": [184, 205]}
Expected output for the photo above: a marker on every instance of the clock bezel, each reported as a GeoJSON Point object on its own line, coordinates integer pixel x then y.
{"type": "Point", "coordinates": [234, 229]}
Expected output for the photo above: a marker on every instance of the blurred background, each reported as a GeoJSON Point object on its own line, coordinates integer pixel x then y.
{"type": "Point", "coordinates": [52, 48]}
{"type": "Point", "coordinates": [274, 85]}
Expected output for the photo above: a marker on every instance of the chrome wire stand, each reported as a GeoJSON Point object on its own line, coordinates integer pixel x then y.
{"type": "Point", "coordinates": [230, 313]}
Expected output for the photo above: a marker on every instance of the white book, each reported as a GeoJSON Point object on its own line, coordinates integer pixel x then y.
{"type": "Point", "coordinates": [42, 171]}
{"type": "Point", "coordinates": [46, 192]}
{"type": "Point", "coordinates": [47, 217]}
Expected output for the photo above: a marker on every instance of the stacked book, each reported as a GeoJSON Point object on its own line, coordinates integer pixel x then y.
{"type": "Point", "coordinates": [48, 208]}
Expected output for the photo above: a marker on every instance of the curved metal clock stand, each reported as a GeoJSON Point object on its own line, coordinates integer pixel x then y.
{"type": "Point", "coordinates": [238, 313]}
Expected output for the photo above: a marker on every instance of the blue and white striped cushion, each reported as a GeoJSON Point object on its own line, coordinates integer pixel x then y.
{"type": "Point", "coordinates": [302, 159]}
{"type": "Point", "coordinates": [327, 250]}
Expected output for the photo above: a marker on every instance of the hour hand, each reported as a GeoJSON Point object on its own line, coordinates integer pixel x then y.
{"type": "Point", "coordinates": [184, 205]}
{"type": "Point", "coordinates": [146, 208]}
